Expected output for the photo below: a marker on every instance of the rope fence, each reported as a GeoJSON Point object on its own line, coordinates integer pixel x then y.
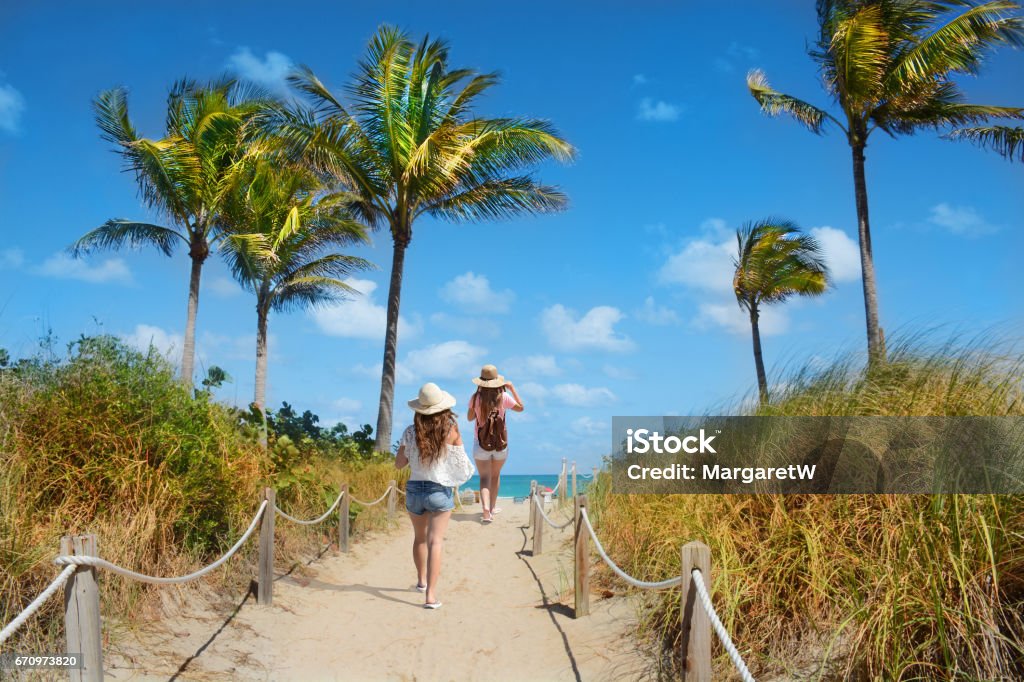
{"type": "Point", "coordinates": [698, 614]}
{"type": "Point", "coordinates": [80, 558]}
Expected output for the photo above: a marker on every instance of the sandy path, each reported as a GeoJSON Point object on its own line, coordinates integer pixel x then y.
{"type": "Point", "coordinates": [358, 617]}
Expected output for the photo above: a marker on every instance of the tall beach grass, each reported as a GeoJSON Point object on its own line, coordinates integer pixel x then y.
{"type": "Point", "coordinates": [884, 587]}
{"type": "Point", "coordinates": [110, 442]}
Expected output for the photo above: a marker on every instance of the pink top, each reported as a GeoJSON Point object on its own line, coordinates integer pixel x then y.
{"type": "Point", "coordinates": [507, 401]}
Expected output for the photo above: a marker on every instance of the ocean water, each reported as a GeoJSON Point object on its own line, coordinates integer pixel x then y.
{"type": "Point", "coordinates": [518, 485]}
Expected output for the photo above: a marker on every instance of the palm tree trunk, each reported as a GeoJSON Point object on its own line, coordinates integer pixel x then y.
{"type": "Point", "coordinates": [188, 350]}
{"type": "Point", "coordinates": [260, 392]}
{"type": "Point", "coordinates": [762, 378]}
{"type": "Point", "coordinates": [387, 379]}
{"type": "Point", "coordinates": [876, 353]}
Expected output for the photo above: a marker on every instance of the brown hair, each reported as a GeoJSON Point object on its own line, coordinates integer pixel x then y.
{"type": "Point", "coordinates": [488, 399]}
{"type": "Point", "coordinates": [431, 432]}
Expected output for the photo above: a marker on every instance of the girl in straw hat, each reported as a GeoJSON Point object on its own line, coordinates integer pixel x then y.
{"type": "Point", "coordinates": [426, 447]}
{"type": "Point", "coordinates": [487, 408]}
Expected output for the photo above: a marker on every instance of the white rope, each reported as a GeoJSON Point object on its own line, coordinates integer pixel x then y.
{"type": "Point", "coordinates": [314, 521]}
{"type": "Point", "coordinates": [20, 619]}
{"type": "Point", "coordinates": [705, 600]}
{"type": "Point", "coordinates": [551, 523]}
{"type": "Point", "coordinates": [77, 560]}
{"type": "Point", "coordinates": [672, 582]}
{"type": "Point", "coordinates": [377, 501]}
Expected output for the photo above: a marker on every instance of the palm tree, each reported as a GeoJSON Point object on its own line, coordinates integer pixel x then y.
{"type": "Point", "coordinates": [889, 64]}
{"type": "Point", "coordinates": [185, 176]}
{"type": "Point", "coordinates": [774, 261]}
{"type": "Point", "coordinates": [409, 145]}
{"type": "Point", "coordinates": [1004, 140]}
{"type": "Point", "coordinates": [283, 247]}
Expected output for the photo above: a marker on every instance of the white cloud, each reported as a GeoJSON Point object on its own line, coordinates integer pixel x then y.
{"type": "Point", "coordinates": [360, 317]}
{"type": "Point", "coordinates": [223, 287]}
{"type": "Point", "coordinates": [473, 293]}
{"type": "Point", "coordinates": [639, 79]}
{"type": "Point", "coordinates": [11, 259]}
{"type": "Point", "coordinates": [532, 366]}
{"type": "Point", "coordinates": [532, 392]}
{"type": "Point", "coordinates": [447, 360]}
{"type": "Point", "coordinates": [657, 111]}
{"type": "Point", "coordinates": [402, 374]}
{"type": "Point", "coordinates": [736, 54]}
{"type": "Point", "coordinates": [701, 264]}
{"type": "Point", "coordinates": [347, 405]}
{"type": "Point", "coordinates": [220, 347]}
{"type": "Point", "coordinates": [961, 220]}
{"type": "Point", "coordinates": [620, 373]}
{"type": "Point", "coordinates": [735, 320]}
{"type": "Point", "coordinates": [12, 105]}
{"type": "Point", "coordinates": [655, 314]}
{"type": "Point", "coordinates": [577, 395]}
{"type": "Point", "coordinates": [595, 330]}
{"type": "Point", "coordinates": [841, 253]}
{"type": "Point", "coordinates": [588, 426]}
{"type": "Point", "coordinates": [168, 344]}
{"type": "Point", "coordinates": [63, 266]}
{"type": "Point", "coordinates": [270, 72]}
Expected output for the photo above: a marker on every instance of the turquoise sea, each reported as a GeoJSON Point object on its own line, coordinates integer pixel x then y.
{"type": "Point", "coordinates": [518, 485]}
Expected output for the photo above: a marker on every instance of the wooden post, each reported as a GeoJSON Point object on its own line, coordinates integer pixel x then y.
{"type": "Point", "coordinates": [265, 588]}
{"type": "Point", "coordinates": [82, 625]}
{"type": "Point", "coordinates": [392, 496]}
{"type": "Point", "coordinates": [343, 519]}
{"type": "Point", "coordinates": [696, 633]}
{"type": "Point", "coordinates": [582, 552]}
{"type": "Point", "coordinates": [593, 473]}
{"type": "Point", "coordinates": [574, 480]}
{"type": "Point", "coordinates": [533, 499]}
{"type": "Point", "coordinates": [563, 480]}
{"type": "Point", "coordinates": [538, 528]}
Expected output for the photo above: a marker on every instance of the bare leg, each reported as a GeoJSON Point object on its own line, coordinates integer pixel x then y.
{"type": "Point", "coordinates": [438, 524]}
{"type": "Point", "coordinates": [483, 466]}
{"type": "Point", "coordinates": [495, 480]}
{"type": "Point", "coordinates": [419, 546]}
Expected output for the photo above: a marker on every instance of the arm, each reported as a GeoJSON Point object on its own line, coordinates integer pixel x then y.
{"type": "Point", "coordinates": [518, 407]}
{"type": "Point", "coordinates": [401, 461]}
{"type": "Point", "coordinates": [454, 437]}
{"type": "Point", "coordinates": [471, 415]}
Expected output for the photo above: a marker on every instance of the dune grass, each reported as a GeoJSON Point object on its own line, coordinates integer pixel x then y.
{"type": "Point", "coordinates": [881, 587]}
{"type": "Point", "coordinates": [109, 442]}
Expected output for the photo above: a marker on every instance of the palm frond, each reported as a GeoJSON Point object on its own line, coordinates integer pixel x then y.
{"type": "Point", "coordinates": [775, 103]}
{"type": "Point", "coordinates": [498, 199]}
{"type": "Point", "coordinates": [118, 233]}
{"type": "Point", "coordinates": [1004, 140]}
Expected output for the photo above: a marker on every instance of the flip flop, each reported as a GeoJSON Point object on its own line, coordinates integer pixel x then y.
{"type": "Point", "coordinates": [421, 588]}
{"type": "Point", "coordinates": [435, 605]}
{"type": "Point", "coordinates": [496, 510]}
{"type": "Point", "coordinates": [486, 521]}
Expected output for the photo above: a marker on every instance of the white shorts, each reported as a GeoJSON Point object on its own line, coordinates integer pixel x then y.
{"type": "Point", "coordinates": [485, 455]}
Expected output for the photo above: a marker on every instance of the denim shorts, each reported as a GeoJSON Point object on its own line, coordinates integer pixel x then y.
{"type": "Point", "coordinates": [428, 496]}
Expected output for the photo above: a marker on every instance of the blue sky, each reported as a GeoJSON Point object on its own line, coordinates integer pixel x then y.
{"type": "Point", "coordinates": [620, 305]}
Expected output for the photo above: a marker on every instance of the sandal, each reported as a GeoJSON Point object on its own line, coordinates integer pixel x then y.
{"type": "Point", "coordinates": [485, 520]}
{"type": "Point", "coordinates": [421, 588]}
{"type": "Point", "coordinates": [434, 605]}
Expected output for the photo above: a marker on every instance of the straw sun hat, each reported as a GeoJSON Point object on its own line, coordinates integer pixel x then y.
{"type": "Point", "coordinates": [489, 377]}
{"type": "Point", "coordinates": [432, 400]}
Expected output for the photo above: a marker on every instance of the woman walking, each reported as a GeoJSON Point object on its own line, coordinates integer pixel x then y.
{"type": "Point", "coordinates": [487, 409]}
{"type": "Point", "coordinates": [432, 448]}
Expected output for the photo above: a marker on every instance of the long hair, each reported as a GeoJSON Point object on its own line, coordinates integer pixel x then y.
{"type": "Point", "coordinates": [488, 399]}
{"type": "Point", "coordinates": [431, 432]}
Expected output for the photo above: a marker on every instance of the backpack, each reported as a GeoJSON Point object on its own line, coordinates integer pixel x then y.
{"type": "Point", "coordinates": [492, 434]}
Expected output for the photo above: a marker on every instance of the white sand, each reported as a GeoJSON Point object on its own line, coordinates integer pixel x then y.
{"type": "Point", "coordinates": [506, 616]}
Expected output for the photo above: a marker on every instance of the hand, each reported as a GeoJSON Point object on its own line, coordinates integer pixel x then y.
{"type": "Point", "coordinates": [509, 386]}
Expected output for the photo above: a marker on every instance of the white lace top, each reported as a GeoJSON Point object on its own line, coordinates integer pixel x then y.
{"type": "Point", "coordinates": [438, 471]}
